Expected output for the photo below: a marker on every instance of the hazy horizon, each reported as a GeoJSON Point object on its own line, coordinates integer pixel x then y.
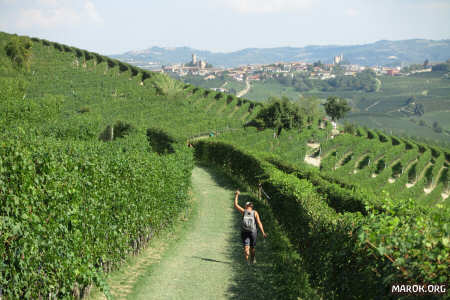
{"type": "Point", "coordinates": [275, 47]}
{"type": "Point", "coordinates": [224, 25]}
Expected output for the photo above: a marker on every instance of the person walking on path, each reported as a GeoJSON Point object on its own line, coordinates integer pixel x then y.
{"type": "Point", "coordinates": [250, 218]}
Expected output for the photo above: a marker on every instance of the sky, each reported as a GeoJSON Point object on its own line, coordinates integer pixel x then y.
{"type": "Point", "coordinates": [113, 27]}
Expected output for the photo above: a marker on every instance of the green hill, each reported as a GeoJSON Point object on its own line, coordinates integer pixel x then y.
{"type": "Point", "coordinates": [386, 53]}
{"type": "Point", "coordinates": [415, 106]}
{"type": "Point", "coordinates": [94, 162]}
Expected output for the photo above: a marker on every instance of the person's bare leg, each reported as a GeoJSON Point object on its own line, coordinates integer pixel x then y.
{"type": "Point", "coordinates": [253, 252]}
{"type": "Point", "coordinates": [246, 252]}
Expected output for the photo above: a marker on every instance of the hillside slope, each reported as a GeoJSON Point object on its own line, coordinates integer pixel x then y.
{"type": "Point", "coordinates": [385, 53]}
{"type": "Point", "coordinates": [94, 163]}
{"type": "Point", "coordinates": [82, 183]}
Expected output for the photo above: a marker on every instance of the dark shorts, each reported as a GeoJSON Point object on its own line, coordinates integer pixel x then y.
{"type": "Point", "coordinates": [249, 238]}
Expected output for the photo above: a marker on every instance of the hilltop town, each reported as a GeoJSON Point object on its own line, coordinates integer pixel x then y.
{"type": "Point", "coordinates": [200, 68]}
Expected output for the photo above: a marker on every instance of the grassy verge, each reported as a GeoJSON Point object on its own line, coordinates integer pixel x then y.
{"type": "Point", "coordinates": [122, 282]}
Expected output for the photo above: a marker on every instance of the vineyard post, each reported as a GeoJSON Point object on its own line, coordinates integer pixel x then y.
{"type": "Point", "coordinates": [335, 160]}
{"type": "Point", "coordinates": [111, 132]}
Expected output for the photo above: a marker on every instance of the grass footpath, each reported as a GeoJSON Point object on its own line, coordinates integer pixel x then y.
{"type": "Point", "coordinates": [202, 258]}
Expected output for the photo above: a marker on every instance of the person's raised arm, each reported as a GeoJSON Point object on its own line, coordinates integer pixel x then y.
{"type": "Point", "coordinates": [236, 205]}
{"type": "Point", "coordinates": [258, 220]}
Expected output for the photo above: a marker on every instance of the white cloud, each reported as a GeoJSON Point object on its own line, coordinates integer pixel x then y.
{"type": "Point", "coordinates": [48, 2]}
{"type": "Point", "coordinates": [54, 13]}
{"type": "Point", "coordinates": [92, 12]}
{"type": "Point", "coordinates": [437, 5]}
{"type": "Point", "coordinates": [352, 12]}
{"type": "Point", "coordinates": [47, 18]}
{"type": "Point", "coordinates": [268, 6]}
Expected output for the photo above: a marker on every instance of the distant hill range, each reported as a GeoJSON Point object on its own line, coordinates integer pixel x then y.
{"type": "Point", "coordinates": [383, 53]}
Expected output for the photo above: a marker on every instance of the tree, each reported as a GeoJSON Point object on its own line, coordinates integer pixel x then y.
{"type": "Point", "coordinates": [338, 70]}
{"type": "Point", "coordinates": [437, 127]}
{"type": "Point", "coordinates": [444, 67]}
{"type": "Point", "coordinates": [349, 128]}
{"type": "Point", "coordinates": [279, 114]}
{"type": "Point", "coordinates": [336, 107]}
{"type": "Point", "coordinates": [419, 109]}
{"type": "Point", "coordinates": [411, 100]}
{"type": "Point", "coordinates": [18, 50]}
{"type": "Point", "coordinates": [311, 108]}
{"type": "Point", "coordinates": [318, 64]}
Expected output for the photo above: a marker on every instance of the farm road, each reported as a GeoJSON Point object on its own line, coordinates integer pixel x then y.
{"type": "Point", "coordinates": [206, 262]}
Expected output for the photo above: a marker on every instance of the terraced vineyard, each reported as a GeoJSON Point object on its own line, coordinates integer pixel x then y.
{"type": "Point", "coordinates": [370, 160]}
{"type": "Point", "coordinates": [67, 216]}
{"type": "Point", "coordinates": [403, 168]}
{"type": "Point", "coordinates": [96, 158]}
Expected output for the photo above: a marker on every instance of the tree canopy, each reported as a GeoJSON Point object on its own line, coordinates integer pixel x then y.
{"type": "Point", "coordinates": [18, 50]}
{"type": "Point", "coordinates": [279, 114]}
{"type": "Point", "coordinates": [336, 107]}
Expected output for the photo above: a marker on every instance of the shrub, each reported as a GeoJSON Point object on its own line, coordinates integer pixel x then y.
{"type": "Point", "coordinates": [88, 55]}
{"type": "Point", "coordinates": [76, 210]}
{"type": "Point", "coordinates": [79, 53]}
{"type": "Point", "coordinates": [82, 131]}
{"type": "Point", "coordinates": [146, 75]}
{"type": "Point", "coordinates": [123, 67]}
{"type": "Point", "coordinates": [122, 129]}
{"type": "Point", "coordinates": [383, 138]}
{"type": "Point", "coordinates": [360, 132]}
{"type": "Point", "coordinates": [111, 63]}
{"type": "Point", "coordinates": [342, 198]}
{"type": "Point", "coordinates": [84, 109]}
{"type": "Point", "coordinates": [349, 128]}
{"type": "Point", "coordinates": [99, 58]}
{"type": "Point", "coordinates": [320, 235]}
{"type": "Point", "coordinates": [435, 152]}
{"type": "Point", "coordinates": [395, 141]}
{"type": "Point", "coordinates": [371, 134]}
{"type": "Point", "coordinates": [160, 141]}
{"type": "Point", "coordinates": [408, 146]}
{"type": "Point", "coordinates": [18, 49]}
{"type": "Point", "coordinates": [118, 130]}
{"type": "Point", "coordinates": [67, 48]}
{"type": "Point", "coordinates": [347, 255]}
{"type": "Point", "coordinates": [134, 71]}
{"type": "Point", "coordinates": [58, 46]}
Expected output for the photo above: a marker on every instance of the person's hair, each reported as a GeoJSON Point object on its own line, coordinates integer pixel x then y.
{"type": "Point", "coordinates": [249, 204]}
